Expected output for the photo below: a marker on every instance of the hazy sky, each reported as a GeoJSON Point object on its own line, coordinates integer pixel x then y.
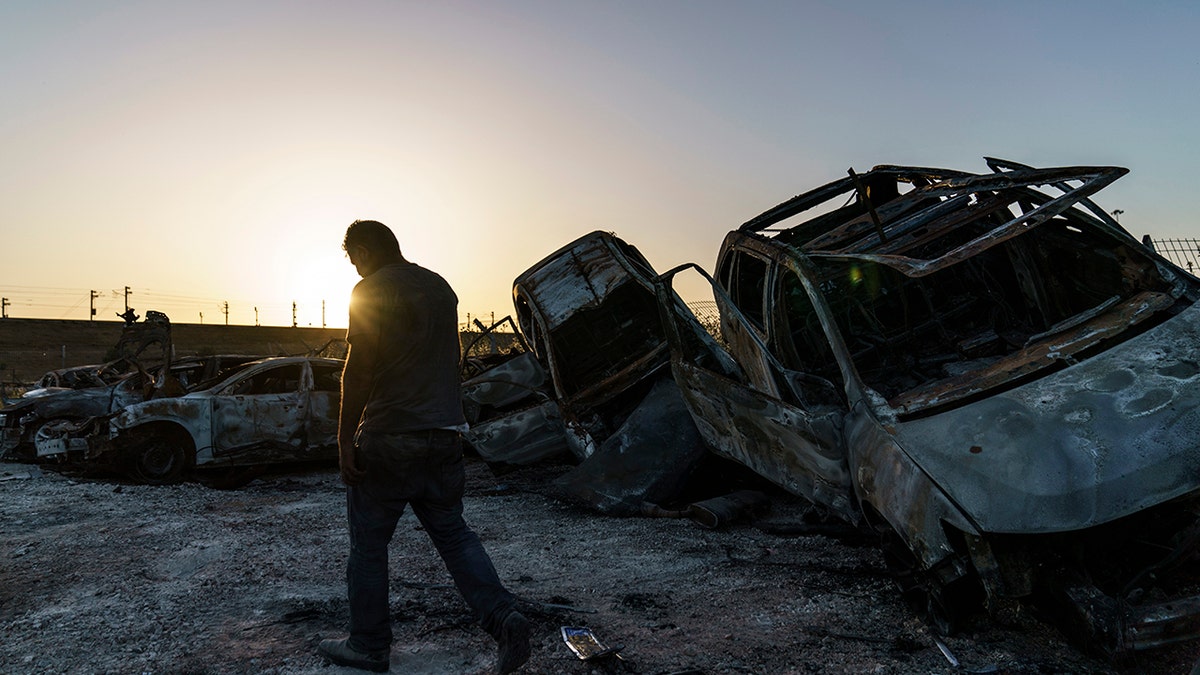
{"type": "Point", "coordinates": [204, 152]}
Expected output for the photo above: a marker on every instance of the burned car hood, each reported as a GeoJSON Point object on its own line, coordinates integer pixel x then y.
{"type": "Point", "coordinates": [76, 402]}
{"type": "Point", "coordinates": [160, 407]}
{"type": "Point", "coordinates": [1098, 440]}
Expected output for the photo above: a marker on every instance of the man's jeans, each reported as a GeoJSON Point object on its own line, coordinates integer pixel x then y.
{"type": "Point", "coordinates": [424, 469]}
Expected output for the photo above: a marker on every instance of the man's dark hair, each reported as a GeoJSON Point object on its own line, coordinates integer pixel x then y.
{"type": "Point", "coordinates": [373, 235]}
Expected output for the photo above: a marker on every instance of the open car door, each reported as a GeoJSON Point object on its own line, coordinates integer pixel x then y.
{"type": "Point", "coordinates": [745, 408]}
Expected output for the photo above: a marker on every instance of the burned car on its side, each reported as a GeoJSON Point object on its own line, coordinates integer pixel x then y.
{"type": "Point", "coordinates": [281, 409]}
{"type": "Point", "coordinates": [591, 379]}
{"type": "Point", "coordinates": [987, 370]}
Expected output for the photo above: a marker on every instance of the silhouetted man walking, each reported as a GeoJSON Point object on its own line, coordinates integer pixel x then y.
{"type": "Point", "coordinates": [399, 444]}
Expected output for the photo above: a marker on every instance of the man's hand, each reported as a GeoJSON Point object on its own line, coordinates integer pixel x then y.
{"type": "Point", "coordinates": [356, 388]}
{"type": "Point", "coordinates": [352, 475]}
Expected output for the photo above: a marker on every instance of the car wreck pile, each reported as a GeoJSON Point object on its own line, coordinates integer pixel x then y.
{"type": "Point", "coordinates": [159, 418]}
{"type": "Point", "coordinates": [984, 371]}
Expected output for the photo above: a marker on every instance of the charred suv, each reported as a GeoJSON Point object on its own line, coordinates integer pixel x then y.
{"type": "Point", "coordinates": [986, 369]}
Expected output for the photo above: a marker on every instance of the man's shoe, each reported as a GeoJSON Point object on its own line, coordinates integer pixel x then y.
{"type": "Point", "coordinates": [514, 643]}
{"type": "Point", "coordinates": [341, 653]}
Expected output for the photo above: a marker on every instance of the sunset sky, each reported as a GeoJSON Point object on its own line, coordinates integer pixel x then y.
{"type": "Point", "coordinates": [211, 152]}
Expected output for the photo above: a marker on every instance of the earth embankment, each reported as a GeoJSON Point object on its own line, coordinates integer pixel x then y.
{"type": "Point", "coordinates": [30, 347]}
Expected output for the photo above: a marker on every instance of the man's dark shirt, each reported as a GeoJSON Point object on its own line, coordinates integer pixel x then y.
{"type": "Point", "coordinates": [414, 313]}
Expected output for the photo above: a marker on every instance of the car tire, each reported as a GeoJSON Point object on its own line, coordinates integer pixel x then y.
{"type": "Point", "coordinates": [161, 459]}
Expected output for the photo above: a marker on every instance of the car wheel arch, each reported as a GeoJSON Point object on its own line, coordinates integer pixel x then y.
{"type": "Point", "coordinates": [158, 452]}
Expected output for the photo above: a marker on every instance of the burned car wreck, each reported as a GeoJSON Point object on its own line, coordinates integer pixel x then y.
{"type": "Point", "coordinates": [281, 409]}
{"type": "Point", "coordinates": [21, 421]}
{"type": "Point", "coordinates": [987, 370]}
{"type": "Point", "coordinates": [143, 368]}
{"type": "Point", "coordinates": [590, 380]}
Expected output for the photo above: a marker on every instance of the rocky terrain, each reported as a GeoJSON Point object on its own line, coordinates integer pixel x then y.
{"type": "Point", "coordinates": [103, 576]}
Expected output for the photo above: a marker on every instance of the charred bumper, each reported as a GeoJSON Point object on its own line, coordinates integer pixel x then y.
{"type": "Point", "coordinates": [86, 439]}
{"type": "Point", "coordinates": [1113, 628]}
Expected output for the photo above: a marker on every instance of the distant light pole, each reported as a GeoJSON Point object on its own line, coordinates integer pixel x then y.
{"type": "Point", "coordinates": [1117, 215]}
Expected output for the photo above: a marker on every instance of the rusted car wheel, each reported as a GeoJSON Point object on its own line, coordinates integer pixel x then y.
{"type": "Point", "coordinates": [161, 458]}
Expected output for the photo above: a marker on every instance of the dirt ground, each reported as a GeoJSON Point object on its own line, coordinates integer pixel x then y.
{"type": "Point", "coordinates": [103, 576]}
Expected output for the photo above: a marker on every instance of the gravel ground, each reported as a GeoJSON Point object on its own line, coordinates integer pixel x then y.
{"type": "Point", "coordinates": [103, 576]}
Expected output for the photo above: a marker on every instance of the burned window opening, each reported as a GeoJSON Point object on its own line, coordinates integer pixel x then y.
{"type": "Point", "coordinates": [327, 378]}
{"type": "Point", "coordinates": [813, 369]}
{"type": "Point", "coordinates": [905, 333]}
{"type": "Point", "coordinates": [747, 279]}
{"type": "Point", "coordinates": [595, 344]}
{"type": "Point", "coordinates": [283, 380]}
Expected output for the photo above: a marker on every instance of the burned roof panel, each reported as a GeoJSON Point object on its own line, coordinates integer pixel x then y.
{"type": "Point", "coordinates": [944, 218]}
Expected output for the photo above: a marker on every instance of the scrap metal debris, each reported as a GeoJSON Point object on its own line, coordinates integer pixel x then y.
{"type": "Point", "coordinates": [584, 643]}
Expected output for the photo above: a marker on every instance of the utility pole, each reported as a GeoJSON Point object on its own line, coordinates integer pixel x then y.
{"type": "Point", "coordinates": [1117, 215]}
{"type": "Point", "coordinates": [225, 310]}
{"type": "Point", "coordinates": [92, 304]}
{"type": "Point", "coordinates": [201, 318]}
{"type": "Point", "coordinates": [255, 316]}
{"type": "Point", "coordinates": [322, 314]}
{"type": "Point", "coordinates": [4, 303]}
{"type": "Point", "coordinates": [129, 315]}
{"type": "Point", "coordinates": [293, 314]}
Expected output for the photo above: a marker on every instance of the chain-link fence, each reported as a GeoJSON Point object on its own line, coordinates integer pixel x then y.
{"type": "Point", "coordinates": [708, 315]}
{"type": "Point", "coordinates": [1182, 252]}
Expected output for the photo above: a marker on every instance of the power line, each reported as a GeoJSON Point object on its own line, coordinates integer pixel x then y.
{"type": "Point", "coordinates": [52, 302]}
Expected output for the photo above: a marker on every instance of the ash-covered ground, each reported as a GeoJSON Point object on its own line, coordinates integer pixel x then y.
{"type": "Point", "coordinates": [103, 576]}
